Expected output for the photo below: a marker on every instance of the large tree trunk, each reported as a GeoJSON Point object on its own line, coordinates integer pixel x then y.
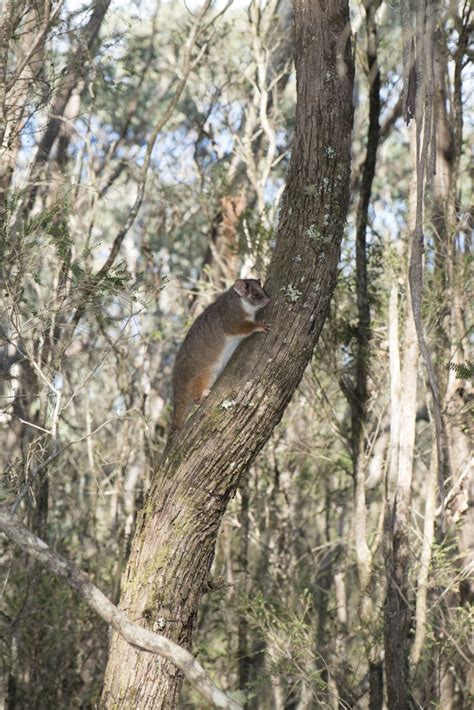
{"type": "Point", "coordinates": [173, 548]}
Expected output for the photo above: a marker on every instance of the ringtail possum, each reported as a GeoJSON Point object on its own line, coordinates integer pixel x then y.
{"type": "Point", "coordinates": [211, 342]}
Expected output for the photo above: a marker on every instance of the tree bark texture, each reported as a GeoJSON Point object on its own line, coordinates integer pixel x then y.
{"type": "Point", "coordinates": [174, 542]}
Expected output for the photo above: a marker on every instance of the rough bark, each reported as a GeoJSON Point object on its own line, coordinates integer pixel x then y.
{"type": "Point", "coordinates": [176, 532]}
{"type": "Point", "coordinates": [376, 685]}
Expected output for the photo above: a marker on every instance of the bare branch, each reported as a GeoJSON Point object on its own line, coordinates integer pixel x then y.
{"type": "Point", "coordinates": [134, 634]}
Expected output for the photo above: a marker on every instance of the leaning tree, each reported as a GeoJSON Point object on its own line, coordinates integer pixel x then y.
{"type": "Point", "coordinates": [173, 546]}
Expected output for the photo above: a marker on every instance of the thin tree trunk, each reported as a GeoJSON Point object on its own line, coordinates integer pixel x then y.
{"type": "Point", "coordinates": [397, 610]}
{"type": "Point", "coordinates": [244, 659]}
{"type": "Point", "coordinates": [176, 532]}
{"type": "Point", "coordinates": [220, 260]}
{"type": "Point", "coordinates": [359, 403]}
{"type": "Point", "coordinates": [425, 559]}
{"type": "Point", "coordinates": [452, 345]}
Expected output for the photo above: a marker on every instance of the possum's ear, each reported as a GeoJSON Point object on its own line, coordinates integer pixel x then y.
{"type": "Point", "coordinates": [240, 287]}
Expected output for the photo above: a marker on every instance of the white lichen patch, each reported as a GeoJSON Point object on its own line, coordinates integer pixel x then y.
{"type": "Point", "coordinates": [228, 404]}
{"type": "Point", "coordinates": [292, 294]}
{"type": "Point", "coordinates": [330, 152]}
{"type": "Point", "coordinates": [310, 190]}
{"type": "Point", "coordinates": [298, 258]}
{"type": "Point", "coordinates": [159, 624]}
{"type": "Point", "coordinates": [312, 232]}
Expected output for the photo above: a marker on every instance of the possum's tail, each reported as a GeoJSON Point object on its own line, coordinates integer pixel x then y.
{"type": "Point", "coordinates": [181, 409]}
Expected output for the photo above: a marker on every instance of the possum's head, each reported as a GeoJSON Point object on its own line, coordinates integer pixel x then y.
{"type": "Point", "coordinates": [252, 294]}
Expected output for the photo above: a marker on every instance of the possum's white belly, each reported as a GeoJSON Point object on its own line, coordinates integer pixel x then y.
{"type": "Point", "coordinates": [231, 345]}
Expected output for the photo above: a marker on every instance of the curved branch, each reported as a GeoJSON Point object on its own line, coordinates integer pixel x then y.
{"type": "Point", "coordinates": [134, 634]}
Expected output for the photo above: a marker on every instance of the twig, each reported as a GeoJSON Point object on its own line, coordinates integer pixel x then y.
{"type": "Point", "coordinates": [46, 431]}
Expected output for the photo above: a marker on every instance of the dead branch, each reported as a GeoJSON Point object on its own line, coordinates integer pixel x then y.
{"type": "Point", "coordinates": [134, 634]}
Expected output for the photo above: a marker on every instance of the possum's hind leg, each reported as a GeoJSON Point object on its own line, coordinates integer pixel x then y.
{"type": "Point", "coordinates": [181, 409]}
{"type": "Point", "coordinates": [195, 392]}
{"type": "Point", "coordinates": [201, 386]}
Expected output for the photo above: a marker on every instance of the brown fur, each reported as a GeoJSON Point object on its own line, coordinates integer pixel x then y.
{"type": "Point", "coordinates": [195, 367]}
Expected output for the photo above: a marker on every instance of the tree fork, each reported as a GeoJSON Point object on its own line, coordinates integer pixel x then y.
{"type": "Point", "coordinates": [174, 542]}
